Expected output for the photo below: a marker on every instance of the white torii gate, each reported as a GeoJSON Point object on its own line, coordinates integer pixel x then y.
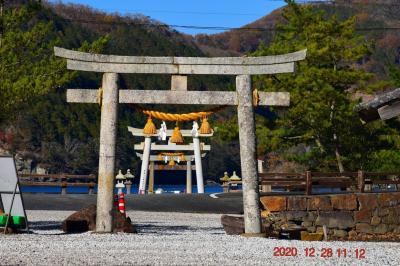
{"type": "Point", "coordinates": [196, 146]}
{"type": "Point", "coordinates": [242, 67]}
{"type": "Point", "coordinates": [189, 168]}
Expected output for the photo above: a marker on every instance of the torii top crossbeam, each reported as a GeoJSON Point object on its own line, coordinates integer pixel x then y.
{"type": "Point", "coordinates": [178, 67]}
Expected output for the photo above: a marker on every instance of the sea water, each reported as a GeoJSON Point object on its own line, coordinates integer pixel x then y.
{"type": "Point", "coordinates": [168, 189]}
{"type": "Point", "coordinates": [134, 189]}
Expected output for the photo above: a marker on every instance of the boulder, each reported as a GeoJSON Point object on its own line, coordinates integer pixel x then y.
{"type": "Point", "coordinates": [85, 220]}
{"type": "Point", "coordinates": [8, 231]}
{"type": "Point", "coordinates": [232, 225]}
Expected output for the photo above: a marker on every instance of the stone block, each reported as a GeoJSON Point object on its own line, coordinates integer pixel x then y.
{"type": "Point", "coordinates": [391, 227]}
{"type": "Point", "coordinates": [306, 236]}
{"type": "Point", "coordinates": [306, 224]}
{"type": "Point", "coordinates": [340, 233]}
{"type": "Point", "coordinates": [352, 233]}
{"type": "Point", "coordinates": [387, 199]}
{"type": "Point", "coordinates": [375, 220]}
{"type": "Point", "coordinates": [364, 228]}
{"type": "Point", "coordinates": [344, 202]}
{"type": "Point", "coordinates": [381, 229]}
{"type": "Point", "coordinates": [274, 203]}
{"type": "Point", "coordinates": [310, 217]}
{"type": "Point", "coordinates": [396, 230]}
{"type": "Point", "coordinates": [363, 216]}
{"type": "Point", "coordinates": [382, 211]}
{"type": "Point", "coordinates": [367, 201]}
{"type": "Point", "coordinates": [311, 229]}
{"type": "Point", "coordinates": [322, 203]}
{"type": "Point", "coordinates": [341, 220]}
{"type": "Point", "coordinates": [391, 219]}
{"type": "Point", "coordinates": [295, 215]}
{"type": "Point", "coordinates": [394, 210]}
{"type": "Point", "coordinates": [265, 214]}
{"type": "Point", "coordinates": [296, 203]}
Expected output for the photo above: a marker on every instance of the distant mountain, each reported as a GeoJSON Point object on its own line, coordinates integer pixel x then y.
{"type": "Point", "coordinates": [377, 20]}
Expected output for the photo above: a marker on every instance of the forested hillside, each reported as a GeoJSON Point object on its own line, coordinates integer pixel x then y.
{"type": "Point", "coordinates": [45, 131]}
{"type": "Point", "coordinates": [61, 137]}
{"type": "Point", "coordinates": [377, 20]}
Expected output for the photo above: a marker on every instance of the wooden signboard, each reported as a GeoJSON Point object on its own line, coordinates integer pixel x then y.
{"type": "Point", "coordinates": [10, 194]}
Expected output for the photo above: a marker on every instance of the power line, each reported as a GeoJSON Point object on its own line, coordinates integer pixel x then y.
{"type": "Point", "coordinates": [185, 12]}
{"type": "Point", "coordinates": [218, 28]}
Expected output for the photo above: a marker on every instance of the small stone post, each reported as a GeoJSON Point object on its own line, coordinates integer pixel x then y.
{"type": "Point", "coordinates": [128, 185]}
{"type": "Point", "coordinates": [361, 181]}
{"type": "Point", "coordinates": [247, 140]}
{"type": "Point", "coordinates": [64, 188]}
{"type": "Point", "coordinates": [151, 178]}
{"type": "Point", "coordinates": [308, 183]}
{"type": "Point", "coordinates": [108, 131]}
{"type": "Point", "coordinates": [199, 168]}
{"type": "Point", "coordinates": [145, 165]}
{"type": "Point", "coordinates": [189, 177]}
{"type": "Point", "coordinates": [91, 188]}
{"type": "Point", "coordinates": [264, 188]}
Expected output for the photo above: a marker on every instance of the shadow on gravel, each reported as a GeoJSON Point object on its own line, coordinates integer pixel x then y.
{"type": "Point", "coordinates": [163, 229]}
{"type": "Point", "coordinates": [45, 225]}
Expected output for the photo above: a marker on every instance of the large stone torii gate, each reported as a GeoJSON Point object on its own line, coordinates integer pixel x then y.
{"type": "Point", "coordinates": [242, 67]}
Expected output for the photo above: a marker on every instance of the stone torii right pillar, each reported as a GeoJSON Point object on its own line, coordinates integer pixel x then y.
{"type": "Point", "coordinates": [248, 163]}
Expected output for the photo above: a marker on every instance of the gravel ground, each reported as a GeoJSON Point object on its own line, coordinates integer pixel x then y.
{"type": "Point", "coordinates": [171, 239]}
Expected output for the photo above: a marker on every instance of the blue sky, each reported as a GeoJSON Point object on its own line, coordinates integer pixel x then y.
{"type": "Point", "coordinates": [220, 13]}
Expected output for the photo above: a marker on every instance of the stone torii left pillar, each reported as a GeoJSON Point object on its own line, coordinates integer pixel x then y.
{"type": "Point", "coordinates": [108, 132]}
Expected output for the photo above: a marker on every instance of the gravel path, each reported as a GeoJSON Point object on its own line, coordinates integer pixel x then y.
{"type": "Point", "coordinates": [171, 239]}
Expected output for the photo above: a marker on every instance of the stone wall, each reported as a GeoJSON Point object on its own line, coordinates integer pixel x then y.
{"type": "Point", "coordinates": [345, 215]}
